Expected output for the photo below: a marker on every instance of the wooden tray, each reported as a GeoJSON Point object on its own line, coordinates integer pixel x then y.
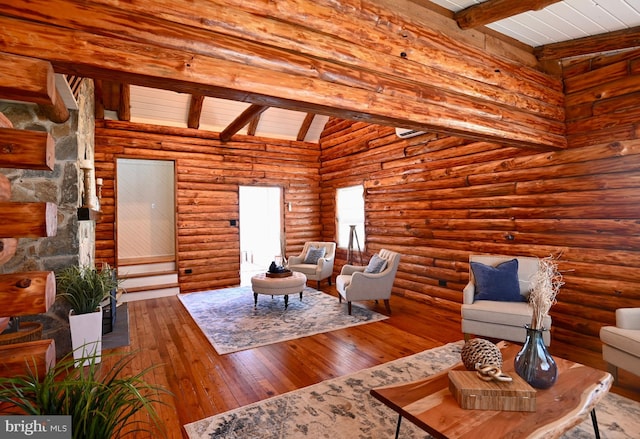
{"type": "Point", "coordinates": [283, 274]}
{"type": "Point", "coordinates": [473, 393]}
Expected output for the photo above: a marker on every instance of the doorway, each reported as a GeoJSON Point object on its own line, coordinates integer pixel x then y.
{"type": "Point", "coordinates": [146, 227]}
{"type": "Point", "coordinates": [260, 229]}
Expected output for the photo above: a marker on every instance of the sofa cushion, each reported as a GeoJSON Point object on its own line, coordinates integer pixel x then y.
{"type": "Point", "coordinates": [313, 254]}
{"type": "Point", "coordinates": [627, 340]}
{"type": "Point", "coordinates": [502, 313]}
{"type": "Point", "coordinates": [376, 264]}
{"type": "Point", "coordinates": [307, 269]}
{"type": "Point", "coordinates": [499, 283]}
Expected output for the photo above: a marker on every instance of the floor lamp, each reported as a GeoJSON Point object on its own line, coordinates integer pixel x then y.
{"type": "Point", "coordinates": [353, 235]}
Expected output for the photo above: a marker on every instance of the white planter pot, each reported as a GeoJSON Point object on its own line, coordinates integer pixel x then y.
{"type": "Point", "coordinates": [86, 335]}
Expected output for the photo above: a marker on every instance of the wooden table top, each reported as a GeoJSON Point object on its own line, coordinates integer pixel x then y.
{"type": "Point", "coordinates": [429, 404]}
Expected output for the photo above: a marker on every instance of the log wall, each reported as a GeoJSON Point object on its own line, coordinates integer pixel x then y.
{"type": "Point", "coordinates": [208, 175]}
{"type": "Point", "coordinates": [437, 199]}
{"type": "Point", "coordinates": [602, 98]}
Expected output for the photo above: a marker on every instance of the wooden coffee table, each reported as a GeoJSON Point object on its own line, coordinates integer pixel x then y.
{"type": "Point", "coordinates": [429, 404]}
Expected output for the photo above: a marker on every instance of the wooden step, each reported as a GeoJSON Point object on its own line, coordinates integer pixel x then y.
{"type": "Point", "coordinates": [151, 288]}
{"type": "Point", "coordinates": [148, 274]}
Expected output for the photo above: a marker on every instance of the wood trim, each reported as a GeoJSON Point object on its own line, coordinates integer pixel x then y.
{"type": "Point", "coordinates": [143, 261]}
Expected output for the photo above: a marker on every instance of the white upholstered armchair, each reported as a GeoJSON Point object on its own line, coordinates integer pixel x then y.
{"type": "Point", "coordinates": [353, 283]}
{"type": "Point", "coordinates": [501, 319]}
{"type": "Point", "coordinates": [621, 343]}
{"type": "Point", "coordinates": [316, 265]}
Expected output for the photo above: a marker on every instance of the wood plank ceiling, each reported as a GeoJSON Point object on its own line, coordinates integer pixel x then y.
{"type": "Point", "coordinates": [551, 29]}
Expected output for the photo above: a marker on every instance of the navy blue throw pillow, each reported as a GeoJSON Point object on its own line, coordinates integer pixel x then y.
{"type": "Point", "coordinates": [498, 283]}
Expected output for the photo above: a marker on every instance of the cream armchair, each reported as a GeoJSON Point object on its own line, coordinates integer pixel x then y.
{"type": "Point", "coordinates": [354, 284]}
{"type": "Point", "coordinates": [322, 269]}
{"type": "Point", "coordinates": [501, 319]}
{"type": "Point", "coordinates": [621, 343]}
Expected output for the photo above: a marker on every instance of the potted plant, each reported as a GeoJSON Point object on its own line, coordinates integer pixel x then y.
{"type": "Point", "coordinates": [84, 288]}
{"type": "Point", "coordinates": [101, 401]}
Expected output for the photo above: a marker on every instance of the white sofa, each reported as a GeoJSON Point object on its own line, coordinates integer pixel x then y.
{"type": "Point", "coordinates": [495, 319]}
{"type": "Point", "coordinates": [621, 343]}
{"type": "Point", "coordinates": [354, 284]}
{"type": "Point", "coordinates": [323, 269]}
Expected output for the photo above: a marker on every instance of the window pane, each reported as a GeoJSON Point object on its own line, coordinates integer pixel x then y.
{"type": "Point", "coordinates": [350, 211]}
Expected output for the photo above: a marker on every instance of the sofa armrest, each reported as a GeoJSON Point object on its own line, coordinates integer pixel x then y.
{"type": "Point", "coordinates": [348, 270]}
{"type": "Point", "coordinates": [468, 292]}
{"type": "Point", "coordinates": [628, 318]}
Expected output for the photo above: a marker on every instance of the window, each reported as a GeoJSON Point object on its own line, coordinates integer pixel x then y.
{"type": "Point", "coordinates": [350, 212]}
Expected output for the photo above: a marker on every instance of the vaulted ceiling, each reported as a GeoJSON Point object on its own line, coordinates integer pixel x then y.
{"type": "Point", "coordinates": [550, 29]}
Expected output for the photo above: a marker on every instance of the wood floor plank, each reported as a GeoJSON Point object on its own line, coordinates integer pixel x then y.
{"type": "Point", "coordinates": [204, 383]}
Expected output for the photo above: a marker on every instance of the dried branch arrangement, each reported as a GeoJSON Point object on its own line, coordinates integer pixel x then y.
{"type": "Point", "coordinates": [546, 285]}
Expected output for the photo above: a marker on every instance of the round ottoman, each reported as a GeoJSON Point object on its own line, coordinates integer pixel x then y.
{"type": "Point", "coordinates": [278, 286]}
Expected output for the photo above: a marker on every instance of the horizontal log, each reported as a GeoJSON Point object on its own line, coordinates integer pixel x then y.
{"type": "Point", "coordinates": [33, 357]}
{"type": "Point", "coordinates": [5, 188]}
{"type": "Point", "coordinates": [27, 293]}
{"type": "Point", "coordinates": [273, 86]}
{"type": "Point", "coordinates": [26, 79]}
{"type": "Point", "coordinates": [26, 149]}
{"type": "Point", "coordinates": [8, 247]}
{"type": "Point", "coordinates": [28, 220]}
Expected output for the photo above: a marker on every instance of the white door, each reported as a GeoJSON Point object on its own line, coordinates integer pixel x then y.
{"type": "Point", "coordinates": [260, 229]}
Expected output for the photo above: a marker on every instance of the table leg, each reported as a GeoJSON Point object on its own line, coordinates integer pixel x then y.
{"type": "Point", "coordinates": [255, 300]}
{"type": "Point", "coordinates": [594, 421]}
{"type": "Point", "coordinates": [398, 426]}
{"type": "Point", "coordinates": [300, 295]}
{"type": "Point", "coordinates": [286, 301]}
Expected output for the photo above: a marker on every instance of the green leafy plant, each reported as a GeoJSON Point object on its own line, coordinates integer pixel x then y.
{"type": "Point", "coordinates": [85, 287]}
{"type": "Point", "coordinates": [101, 402]}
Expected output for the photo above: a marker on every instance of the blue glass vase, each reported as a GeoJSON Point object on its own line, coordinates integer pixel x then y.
{"type": "Point", "coordinates": [534, 363]}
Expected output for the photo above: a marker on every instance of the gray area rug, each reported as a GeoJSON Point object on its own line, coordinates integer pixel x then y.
{"type": "Point", "coordinates": [343, 408]}
{"type": "Point", "coordinates": [229, 320]}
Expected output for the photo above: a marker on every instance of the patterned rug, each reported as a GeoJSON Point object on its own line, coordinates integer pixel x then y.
{"type": "Point", "coordinates": [229, 320]}
{"type": "Point", "coordinates": [343, 408]}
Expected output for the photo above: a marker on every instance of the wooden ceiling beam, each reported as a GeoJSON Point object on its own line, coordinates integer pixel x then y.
{"type": "Point", "coordinates": [253, 125]}
{"type": "Point", "coordinates": [195, 111]}
{"type": "Point", "coordinates": [124, 104]}
{"type": "Point", "coordinates": [606, 42]}
{"type": "Point", "coordinates": [418, 78]}
{"type": "Point", "coordinates": [304, 128]}
{"type": "Point", "coordinates": [495, 10]}
{"type": "Point", "coordinates": [239, 122]}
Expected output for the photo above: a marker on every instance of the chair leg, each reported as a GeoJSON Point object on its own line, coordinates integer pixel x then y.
{"type": "Point", "coordinates": [387, 305]}
{"type": "Point", "coordinates": [613, 370]}
{"type": "Point", "coordinates": [318, 285]}
{"type": "Point", "coordinates": [339, 298]}
{"type": "Point", "coordinates": [466, 337]}
{"type": "Point", "coordinates": [329, 280]}
{"type": "Point", "coordinates": [349, 308]}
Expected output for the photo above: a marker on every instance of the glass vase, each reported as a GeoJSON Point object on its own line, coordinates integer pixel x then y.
{"type": "Point", "coordinates": [534, 363]}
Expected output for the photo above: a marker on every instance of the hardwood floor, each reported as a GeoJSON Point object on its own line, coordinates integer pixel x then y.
{"type": "Point", "coordinates": [204, 383]}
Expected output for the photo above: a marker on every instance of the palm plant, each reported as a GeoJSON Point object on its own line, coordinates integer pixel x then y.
{"type": "Point", "coordinates": [100, 401]}
{"type": "Point", "coordinates": [85, 287]}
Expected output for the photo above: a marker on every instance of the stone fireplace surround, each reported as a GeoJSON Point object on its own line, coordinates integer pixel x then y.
{"type": "Point", "coordinates": [74, 242]}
